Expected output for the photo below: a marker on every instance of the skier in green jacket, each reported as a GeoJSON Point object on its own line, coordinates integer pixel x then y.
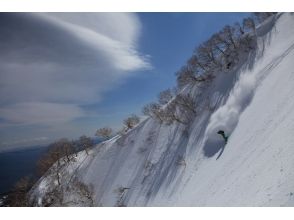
{"type": "Point", "coordinates": [225, 137]}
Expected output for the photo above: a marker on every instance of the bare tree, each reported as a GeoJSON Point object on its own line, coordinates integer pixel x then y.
{"type": "Point", "coordinates": [150, 109]}
{"type": "Point", "coordinates": [165, 96]}
{"type": "Point", "coordinates": [170, 114]}
{"type": "Point", "coordinates": [52, 159]}
{"type": "Point", "coordinates": [122, 131]}
{"type": "Point", "coordinates": [131, 121]}
{"type": "Point", "coordinates": [84, 191]}
{"type": "Point", "coordinates": [187, 76]}
{"type": "Point", "coordinates": [223, 49]}
{"type": "Point", "coordinates": [55, 197]}
{"type": "Point", "coordinates": [207, 54]}
{"type": "Point", "coordinates": [44, 163]}
{"type": "Point", "coordinates": [218, 44]}
{"type": "Point", "coordinates": [18, 196]}
{"type": "Point", "coordinates": [228, 32]}
{"type": "Point", "coordinates": [56, 168]}
{"type": "Point", "coordinates": [249, 25]}
{"type": "Point", "coordinates": [231, 37]}
{"type": "Point", "coordinates": [105, 132]}
{"type": "Point", "coordinates": [221, 39]}
{"type": "Point", "coordinates": [177, 110]}
{"type": "Point", "coordinates": [86, 143]}
{"type": "Point", "coordinates": [239, 29]}
{"type": "Point", "coordinates": [262, 16]}
{"type": "Point", "coordinates": [180, 110]}
{"type": "Point", "coordinates": [66, 149]}
{"type": "Point", "coordinates": [153, 110]}
{"type": "Point", "coordinates": [186, 103]}
{"type": "Point", "coordinates": [195, 63]}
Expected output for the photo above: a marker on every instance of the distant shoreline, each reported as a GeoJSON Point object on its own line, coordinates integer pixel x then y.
{"type": "Point", "coordinates": [18, 163]}
{"type": "Point", "coordinates": [21, 148]}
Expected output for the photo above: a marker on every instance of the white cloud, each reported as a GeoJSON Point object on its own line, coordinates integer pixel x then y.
{"type": "Point", "coordinates": [122, 27]}
{"type": "Point", "coordinates": [117, 44]}
{"type": "Point", "coordinates": [51, 64]}
{"type": "Point", "coordinates": [40, 113]}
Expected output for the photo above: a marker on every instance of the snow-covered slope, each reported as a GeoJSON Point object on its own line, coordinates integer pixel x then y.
{"type": "Point", "coordinates": [178, 165]}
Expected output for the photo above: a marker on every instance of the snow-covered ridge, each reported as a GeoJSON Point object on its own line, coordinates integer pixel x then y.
{"type": "Point", "coordinates": [159, 165]}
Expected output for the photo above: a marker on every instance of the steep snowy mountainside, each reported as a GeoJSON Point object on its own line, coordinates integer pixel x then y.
{"type": "Point", "coordinates": [256, 166]}
{"type": "Point", "coordinates": [177, 165]}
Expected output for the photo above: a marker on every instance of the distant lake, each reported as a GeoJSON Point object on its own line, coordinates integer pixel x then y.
{"type": "Point", "coordinates": [20, 163]}
{"type": "Point", "coordinates": [17, 164]}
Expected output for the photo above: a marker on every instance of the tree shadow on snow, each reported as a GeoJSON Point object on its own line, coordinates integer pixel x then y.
{"type": "Point", "coordinates": [168, 168]}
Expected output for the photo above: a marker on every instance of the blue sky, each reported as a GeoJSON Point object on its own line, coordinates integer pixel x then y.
{"type": "Point", "coordinates": [64, 75]}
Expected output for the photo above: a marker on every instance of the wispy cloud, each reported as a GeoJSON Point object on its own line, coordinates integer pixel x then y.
{"type": "Point", "coordinates": [120, 49]}
{"type": "Point", "coordinates": [50, 60]}
{"type": "Point", "coordinates": [30, 113]}
{"type": "Point", "coordinates": [52, 64]}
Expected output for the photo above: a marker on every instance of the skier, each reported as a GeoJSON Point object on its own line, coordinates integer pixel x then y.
{"type": "Point", "coordinates": [222, 133]}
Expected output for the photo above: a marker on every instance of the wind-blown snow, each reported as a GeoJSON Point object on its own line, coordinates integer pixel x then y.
{"type": "Point", "coordinates": [227, 116]}
{"type": "Point", "coordinates": [180, 165]}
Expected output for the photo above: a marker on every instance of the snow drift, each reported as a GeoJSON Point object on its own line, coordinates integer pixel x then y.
{"type": "Point", "coordinates": [177, 165]}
